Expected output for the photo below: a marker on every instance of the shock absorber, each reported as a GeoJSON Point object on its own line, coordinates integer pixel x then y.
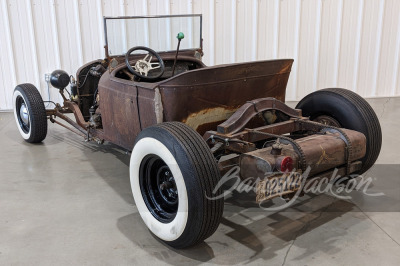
{"type": "Point", "coordinates": [74, 89]}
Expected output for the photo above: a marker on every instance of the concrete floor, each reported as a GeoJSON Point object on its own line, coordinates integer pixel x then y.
{"type": "Point", "coordinates": [67, 202]}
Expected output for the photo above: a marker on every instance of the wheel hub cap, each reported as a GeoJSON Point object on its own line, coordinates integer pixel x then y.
{"type": "Point", "coordinates": [23, 112]}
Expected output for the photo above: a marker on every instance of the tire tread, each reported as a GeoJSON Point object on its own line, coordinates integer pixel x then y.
{"type": "Point", "coordinates": [369, 117]}
{"type": "Point", "coordinates": [37, 112]}
{"type": "Point", "coordinates": [207, 176]}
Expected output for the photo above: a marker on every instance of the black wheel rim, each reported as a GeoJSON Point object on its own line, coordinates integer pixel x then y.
{"type": "Point", "coordinates": [158, 188]}
{"type": "Point", "coordinates": [22, 114]}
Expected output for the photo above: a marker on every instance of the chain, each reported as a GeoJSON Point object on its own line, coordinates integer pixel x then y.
{"type": "Point", "coordinates": [343, 136]}
{"type": "Point", "coordinates": [323, 129]}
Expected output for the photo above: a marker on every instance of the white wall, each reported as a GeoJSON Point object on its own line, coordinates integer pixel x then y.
{"type": "Point", "coordinates": [335, 43]}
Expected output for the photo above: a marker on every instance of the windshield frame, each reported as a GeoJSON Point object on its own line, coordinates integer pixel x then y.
{"type": "Point", "coordinates": [105, 18]}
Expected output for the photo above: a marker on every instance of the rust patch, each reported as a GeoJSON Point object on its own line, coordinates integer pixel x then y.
{"type": "Point", "coordinates": [209, 126]}
{"type": "Point", "coordinates": [208, 116]}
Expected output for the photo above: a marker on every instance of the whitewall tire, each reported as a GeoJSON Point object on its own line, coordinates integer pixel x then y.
{"type": "Point", "coordinates": [30, 113]}
{"type": "Point", "coordinates": [166, 231]}
{"type": "Point", "coordinates": [172, 172]}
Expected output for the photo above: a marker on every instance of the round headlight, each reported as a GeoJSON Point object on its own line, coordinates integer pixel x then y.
{"type": "Point", "coordinates": [59, 79]}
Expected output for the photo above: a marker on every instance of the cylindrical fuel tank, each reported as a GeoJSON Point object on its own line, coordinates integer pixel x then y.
{"type": "Point", "coordinates": [322, 152]}
{"type": "Point", "coordinates": [327, 151]}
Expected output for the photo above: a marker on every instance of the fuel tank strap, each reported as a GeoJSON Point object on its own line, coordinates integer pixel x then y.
{"type": "Point", "coordinates": [321, 128]}
{"type": "Point", "coordinates": [343, 136]}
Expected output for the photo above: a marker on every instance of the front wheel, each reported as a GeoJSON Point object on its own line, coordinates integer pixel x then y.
{"type": "Point", "coordinates": [343, 108]}
{"type": "Point", "coordinates": [173, 175]}
{"type": "Point", "coordinates": [30, 113]}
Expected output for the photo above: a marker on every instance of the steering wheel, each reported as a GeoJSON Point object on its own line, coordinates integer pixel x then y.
{"type": "Point", "coordinates": [143, 66]}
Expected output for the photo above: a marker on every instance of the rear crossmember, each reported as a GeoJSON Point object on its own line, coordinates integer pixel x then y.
{"type": "Point", "coordinates": [295, 144]}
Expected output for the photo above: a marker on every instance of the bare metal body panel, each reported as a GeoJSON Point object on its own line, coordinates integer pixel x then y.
{"type": "Point", "coordinates": [201, 98]}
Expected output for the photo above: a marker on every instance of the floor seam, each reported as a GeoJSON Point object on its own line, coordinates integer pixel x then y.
{"type": "Point", "coordinates": [365, 174]}
{"type": "Point", "coordinates": [304, 228]}
{"type": "Point", "coordinates": [384, 108]}
{"type": "Point", "coordinates": [394, 240]}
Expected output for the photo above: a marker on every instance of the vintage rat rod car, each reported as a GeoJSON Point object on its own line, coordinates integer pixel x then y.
{"type": "Point", "coordinates": [181, 118]}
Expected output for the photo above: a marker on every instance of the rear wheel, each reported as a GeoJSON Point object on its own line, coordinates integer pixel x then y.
{"type": "Point", "coordinates": [30, 113]}
{"type": "Point", "coordinates": [344, 108]}
{"type": "Point", "coordinates": [173, 175]}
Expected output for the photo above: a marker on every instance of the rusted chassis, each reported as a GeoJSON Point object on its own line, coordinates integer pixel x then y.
{"type": "Point", "coordinates": [314, 149]}
{"type": "Point", "coordinates": [310, 144]}
{"type": "Point", "coordinates": [238, 109]}
{"type": "Point", "coordinates": [320, 147]}
{"type": "Point", "coordinates": [79, 126]}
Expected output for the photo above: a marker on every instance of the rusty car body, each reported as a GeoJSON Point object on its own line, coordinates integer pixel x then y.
{"type": "Point", "coordinates": [238, 109]}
